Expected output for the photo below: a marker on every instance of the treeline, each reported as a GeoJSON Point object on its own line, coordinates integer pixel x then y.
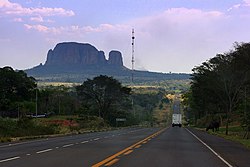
{"type": "Point", "coordinates": [16, 90]}
{"type": "Point", "coordinates": [220, 88]}
{"type": "Point", "coordinates": [101, 97]}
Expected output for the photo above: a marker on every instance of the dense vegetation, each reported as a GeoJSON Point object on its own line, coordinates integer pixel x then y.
{"type": "Point", "coordinates": [105, 97]}
{"type": "Point", "coordinates": [220, 89]}
{"type": "Point", "coordinates": [95, 104]}
{"type": "Point", "coordinates": [17, 90]}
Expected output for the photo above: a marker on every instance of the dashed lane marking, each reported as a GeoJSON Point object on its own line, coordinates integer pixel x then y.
{"type": "Point", "coordinates": [9, 159]}
{"type": "Point", "coordinates": [84, 142]}
{"type": "Point", "coordinates": [128, 152]}
{"type": "Point", "coordinates": [112, 162]}
{"type": "Point", "coordinates": [113, 159]}
{"type": "Point", "coordinates": [138, 146]}
{"type": "Point", "coordinates": [43, 151]}
{"type": "Point", "coordinates": [68, 145]}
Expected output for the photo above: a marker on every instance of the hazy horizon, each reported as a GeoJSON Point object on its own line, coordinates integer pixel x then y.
{"type": "Point", "coordinates": [170, 35]}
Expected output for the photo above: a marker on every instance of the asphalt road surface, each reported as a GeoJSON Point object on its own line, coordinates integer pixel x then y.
{"type": "Point", "coordinates": [139, 147]}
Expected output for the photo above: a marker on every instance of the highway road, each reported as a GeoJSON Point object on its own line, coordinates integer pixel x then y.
{"type": "Point", "coordinates": [147, 147]}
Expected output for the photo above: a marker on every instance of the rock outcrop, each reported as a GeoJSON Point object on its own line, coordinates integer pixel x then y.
{"type": "Point", "coordinates": [115, 58]}
{"type": "Point", "coordinates": [81, 55]}
{"type": "Point", "coordinates": [77, 62]}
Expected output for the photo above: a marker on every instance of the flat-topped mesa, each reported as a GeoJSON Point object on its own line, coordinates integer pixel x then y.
{"type": "Point", "coordinates": [81, 55]}
{"type": "Point", "coordinates": [72, 53]}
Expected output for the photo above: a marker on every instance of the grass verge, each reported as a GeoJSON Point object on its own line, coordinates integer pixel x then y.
{"type": "Point", "coordinates": [235, 133]}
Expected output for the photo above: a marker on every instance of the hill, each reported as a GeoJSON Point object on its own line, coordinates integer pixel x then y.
{"type": "Point", "coordinates": [75, 62]}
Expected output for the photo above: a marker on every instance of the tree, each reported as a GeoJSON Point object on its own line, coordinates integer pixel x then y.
{"type": "Point", "coordinates": [57, 100]}
{"type": "Point", "coordinates": [104, 96]}
{"type": "Point", "coordinates": [218, 84]}
{"type": "Point", "coordinates": [15, 86]}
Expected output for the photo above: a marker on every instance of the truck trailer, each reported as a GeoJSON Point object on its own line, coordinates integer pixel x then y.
{"type": "Point", "coordinates": [176, 120]}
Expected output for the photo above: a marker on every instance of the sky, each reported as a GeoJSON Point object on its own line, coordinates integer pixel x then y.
{"type": "Point", "coordinates": [170, 35]}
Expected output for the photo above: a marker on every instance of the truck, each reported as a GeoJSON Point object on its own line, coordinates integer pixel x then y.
{"type": "Point", "coordinates": [176, 120]}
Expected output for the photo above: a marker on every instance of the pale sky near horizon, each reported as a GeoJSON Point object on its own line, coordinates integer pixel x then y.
{"type": "Point", "coordinates": [170, 35]}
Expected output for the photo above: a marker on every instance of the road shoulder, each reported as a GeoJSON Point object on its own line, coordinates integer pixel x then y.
{"type": "Point", "coordinates": [234, 153]}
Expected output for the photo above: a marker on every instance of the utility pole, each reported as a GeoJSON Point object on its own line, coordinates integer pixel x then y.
{"type": "Point", "coordinates": [36, 102]}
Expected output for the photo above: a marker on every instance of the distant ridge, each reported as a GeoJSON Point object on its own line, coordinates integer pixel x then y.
{"type": "Point", "coordinates": [75, 62]}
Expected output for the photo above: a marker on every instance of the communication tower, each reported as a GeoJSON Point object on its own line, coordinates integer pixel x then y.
{"type": "Point", "coordinates": [133, 63]}
{"type": "Point", "coordinates": [133, 52]}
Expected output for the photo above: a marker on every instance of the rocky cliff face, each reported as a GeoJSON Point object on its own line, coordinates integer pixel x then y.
{"type": "Point", "coordinates": [115, 58]}
{"type": "Point", "coordinates": [78, 54]}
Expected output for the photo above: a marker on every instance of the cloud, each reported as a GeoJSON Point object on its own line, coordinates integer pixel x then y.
{"type": "Point", "coordinates": [37, 19]}
{"type": "Point", "coordinates": [10, 8]}
{"type": "Point", "coordinates": [176, 39]}
{"type": "Point", "coordinates": [169, 19]}
{"type": "Point", "coordinates": [18, 20]}
{"type": "Point", "coordinates": [243, 5]}
{"type": "Point", "coordinates": [75, 29]}
{"type": "Point", "coordinates": [39, 28]}
{"type": "Point", "coordinates": [247, 2]}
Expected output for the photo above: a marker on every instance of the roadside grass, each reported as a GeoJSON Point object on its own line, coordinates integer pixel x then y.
{"type": "Point", "coordinates": [33, 128]}
{"type": "Point", "coordinates": [235, 133]}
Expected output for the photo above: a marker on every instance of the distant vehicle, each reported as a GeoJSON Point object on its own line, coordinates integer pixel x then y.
{"type": "Point", "coordinates": [176, 120]}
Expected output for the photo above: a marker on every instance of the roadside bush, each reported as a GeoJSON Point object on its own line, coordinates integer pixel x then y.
{"type": "Point", "coordinates": [5, 139]}
{"type": "Point", "coordinates": [24, 127]}
{"type": "Point", "coordinates": [7, 127]}
{"type": "Point", "coordinates": [91, 122]}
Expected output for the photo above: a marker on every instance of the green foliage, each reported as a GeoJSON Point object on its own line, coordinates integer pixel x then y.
{"type": "Point", "coordinates": [15, 86]}
{"type": "Point", "coordinates": [105, 97]}
{"type": "Point", "coordinates": [236, 134]}
{"type": "Point", "coordinates": [145, 103]}
{"type": "Point", "coordinates": [23, 127]}
{"type": "Point", "coordinates": [218, 85]}
{"type": "Point", "coordinates": [57, 100]}
{"type": "Point", "coordinates": [91, 122]}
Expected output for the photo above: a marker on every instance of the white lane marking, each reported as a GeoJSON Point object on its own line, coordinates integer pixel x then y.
{"type": "Point", "coordinates": [43, 151]}
{"type": "Point", "coordinates": [222, 159]}
{"type": "Point", "coordinates": [57, 147]}
{"type": "Point", "coordinates": [68, 145]}
{"type": "Point", "coordinates": [84, 142]}
{"type": "Point", "coordinates": [96, 139]}
{"type": "Point", "coordinates": [20, 143]}
{"type": "Point", "coordinates": [9, 159]}
{"type": "Point", "coordinates": [28, 154]}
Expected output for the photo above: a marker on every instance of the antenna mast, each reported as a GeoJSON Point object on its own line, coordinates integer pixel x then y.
{"type": "Point", "coordinates": [133, 63]}
{"type": "Point", "coordinates": [133, 52]}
